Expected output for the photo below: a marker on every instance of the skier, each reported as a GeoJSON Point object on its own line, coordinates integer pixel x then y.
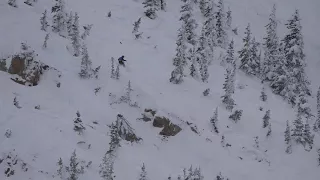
{"type": "Point", "coordinates": [121, 60]}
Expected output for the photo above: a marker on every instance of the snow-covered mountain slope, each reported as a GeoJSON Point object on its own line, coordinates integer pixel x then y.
{"type": "Point", "coordinates": [40, 137]}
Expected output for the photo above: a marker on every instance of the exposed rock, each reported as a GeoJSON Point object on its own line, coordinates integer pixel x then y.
{"type": "Point", "coordinates": [169, 129]}
{"type": "Point", "coordinates": [17, 65]}
{"type": "Point", "coordinates": [153, 112]}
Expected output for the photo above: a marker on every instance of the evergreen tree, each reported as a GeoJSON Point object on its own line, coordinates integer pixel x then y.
{"type": "Point", "coordinates": [295, 63]}
{"type": "Point", "coordinates": [60, 168]}
{"type": "Point", "coordinates": [202, 56]}
{"type": "Point", "coordinates": [69, 23]}
{"type": "Point", "coordinates": [106, 167]}
{"type": "Point", "coordinates": [318, 157]}
{"type": "Point", "coordinates": [269, 130]}
{"type": "Point", "coordinates": [179, 60]}
{"type": "Point", "coordinates": [43, 21]}
{"type": "Point", "coordinates": [13, 3]}
{"type": "Point", "coordinates": [206, 92]}
{"type": "Point", "coordinates": [86, 32]}
{"type": "Point", "coordinates": [74, 170]}
{"type": "Point", "coordinates": [254, 57]}
{"type": "Point", "coordinates": [214, 121]}
{"type": "Point", "coordinates": [135, 30]}
{"type": "Point", "coordinates": [189, 23]}
{"type": "Point", "coordinates": [230, 53]}
{"type": "Point", "coordinates": [150, 6]}
{"type": "Point", "coordinates": [59, 17]}
{"type": "Point", "coordinates": [271, 61]}
{"type": "Point", "coordinates": [317, 123]}
{"type": "Point", "coordinates": [256, 142]}
{"type": "Point", "coordinates": [78, 126]}
{"type": "Point", "coordinates": [298, 129]}
{"type": "Point", "coordinates": [117, 72]}
{"type": "Point", "coordinates": [266, 119]}
{"type": "Point", "coordinates": [303, 106]}
{"type": "Point", "coordinates": [203, 5]}
{"type": "Point", "coordinates": [287, 136]}
{"type": "Point", "coordinates": [263, 95]}
{"type": "Point", "coordinates": [227, 86]}
{"type": "Point", "coordinates": [163, 5]}
{"type": "Point", "coordinates": [127, 97]}
{"type": "Point", "coordinates": [193, 59]}
{"type": "Point", "coordinates": [114, 138]}
{"type": "Point", "coordinates": [75, 37]}
{"type": "Point", "coordinates": [221, 33]}
{"type": "Point", "coordinates": [45, 41]}
{"type": "Point", "coordinates": [86, 69]}
{"type": "Point", "coordinates": [244, 53]}
{"type": "Point", "coordinates": [229, 19]}
{"type": "Point", "coordinates": [113, 75]}
{"type": "Point", "coordinates": [143, 174]}
{"type": "Point", "coordinates": [307, 136]}
{"type": "Point", "coordinates": [236, 115]}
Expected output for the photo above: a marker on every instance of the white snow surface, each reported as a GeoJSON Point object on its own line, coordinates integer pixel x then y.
{"type": "Point", "coordinates": [41, 137]}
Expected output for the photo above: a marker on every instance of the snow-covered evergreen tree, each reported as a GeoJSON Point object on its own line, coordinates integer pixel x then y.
{"type": "Point", "coordinates": [221, 33]}
{"type": "Point", "coordinates": [202, 55]}
{"type": "Point", "coordinates": [60, 170]}
{"type": "Point", "coordinates": [214, 121]}
{"type": "Point", "coordinates": [271, 60]}
{"type": "Point", "coordinates": [236, 115]}
{"type": "Point", "coordinates": [266, 119]}
{"type": "Point", "coordinates": [295, 62]}
{"type": "Point", "coordinates": [74, 168]}
{"type": "Point", "coordinates": [13, 3]}
{"type": "Point", "coordinates": [317, 123]}
{"type": "Point", "coordinates": [189, 23]}
{"type": "Point", "coordinates": [44, 46]}
{"type": "Point", "coordinates": [151, 8]}
{"type": "Point", "coordinates": [75, 37]}
{"type": "Point", "coordinates": [143, 173]}
{"type": "Point", "coordinates": [230, 53]}
{"type": "Point", "coordinates": [192, 57]}
{"type": "Point", "coordinates": [163, 5]}
{"type": "Point", "coordinates": [43, 21]}
{"type": "Point", "coordinates": [179, 61]}
{"type": "Point", "coordinates": [78, 125]}
{"type": "Point", "coordinates": [229, 19]}
{"type": "Point", "coordinates": [203, 5]}
{"type": "Point", "coordinates": [59, 17]}
{"type": "Point", "coordinates": [227, 99]}
{"type": "Point", "coordinates": [69, 23]}
{"type": "Point", "coordinates": [307, 136]}
{"type": "Point", "coordinates": [206, 92]}
{"type": "Point", "coordinates": [263, 95]}
{"type": "Point", "coordinates": [113, 75]}
{"type": "Point", "coordinates": [127, 97]}
{"type": "Point", "coordinates": [114, 138]}
{"type": "Point", "coordinates": [86, 69]}
{"type": "Point", "coordinates": [117, 72]}
{"type": "Point", "coordinates": [269, 130]}
{"type": "Point", "coordinates": [298, 129]}
{"type": "Point", "coordinates": [244, 53]}
{"type": "Point", "coordinates": [136, 26]}
{"type": "Point", "coordinates": [86, 31]}
{"type": "Point", "coordinates": [287, 138]}
{"type": "Point", "coordinates": [107, 167]}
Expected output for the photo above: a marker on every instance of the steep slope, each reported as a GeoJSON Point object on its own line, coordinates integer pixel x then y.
{"type": "Point", "coordinates": [41, 137]}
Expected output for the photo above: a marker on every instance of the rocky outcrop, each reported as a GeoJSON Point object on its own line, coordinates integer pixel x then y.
{"type": "Point", "coordinates": [169, 129]}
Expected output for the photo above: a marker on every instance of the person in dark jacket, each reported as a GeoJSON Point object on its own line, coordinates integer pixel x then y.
{"type": "Point", "coordinates": [121, 60]}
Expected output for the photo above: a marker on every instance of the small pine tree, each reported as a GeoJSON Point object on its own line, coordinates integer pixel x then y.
{"type": "Point", "coordinates": [269, 130]}
{"type": "Point", "coordinates": [78, 126]}
{"type": "Point", "coordinates": [136, 26]}
{"type": "Point", "coordinates": [16, 103]}
{"type": "Point", "coordinates": [266, 119]}
{"type": "Point", "coordinates": [263, 95]}
{"type": "Point", "coordinates": [214, 121]}
{"type": "Point", "coordinates": [86, 32]}
{"type": "Point", "coordinates": [228, 88]}
{"type": "Point", "coordinates": [221, 33]}
{"type": "Point", "coordinates": [75, 37]}
{"type": "Point", "coordinates": [150, 6]}
{"type": "Point", "coordinates": [230, 53]}
{"type": "Point", "coordinates": [179, 61]}
{"type": "Point", "coordinates": [59, 17]}
{"type": "Point", "coordinates": [127, 97]}
{"type": "Point", "coordinates": [287, 139]}
{"type": "Point", "coordinates": [43, 21]}
{"type": "Point", "coordinates": [69, 24]}
{"type": "Point", "coordinates": [117, 72]}
{"type": "Point", "coordinates": [114, 138]}
{"type": "Point", "coordinates": [113, 75]}
{"type": "Point", "coordinates": [317, 123]}
{"type": "Point", "coordinates": [298, 129]}
{"type": "Point", "coordinates": [203, 5]}
{"type": "Point", "coordinates": [229, 19]}
{"type": "Point", "coordinates": [223, 143]}
{"type": "Point", "coordinates": [74, 170]}
{"type": "Point", "coordinates": [307, 137]}
{"type": "Point", "coordinates": [189, 23]}
{"type": "Point", "coordinates": [143, 174]}
{"type": "Point", "coordinates": [236, 115]}
{"type": "Point", "coordinates": [13, 3]}
{"type": "Point", "coordinates": [60, 168]}
{"type": "Point", "coordinates": [206, 92]}
{"type": "Point", "coordinates": [44, 46]}
{"type": "Point", "coordinates": [86, 69]}
{"type": "Point", "coordinates": [245, 54]}
{"type": "Point", "coordinates": [106, 167]}
{"type": "Point", "coordinates": [256, 142]}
